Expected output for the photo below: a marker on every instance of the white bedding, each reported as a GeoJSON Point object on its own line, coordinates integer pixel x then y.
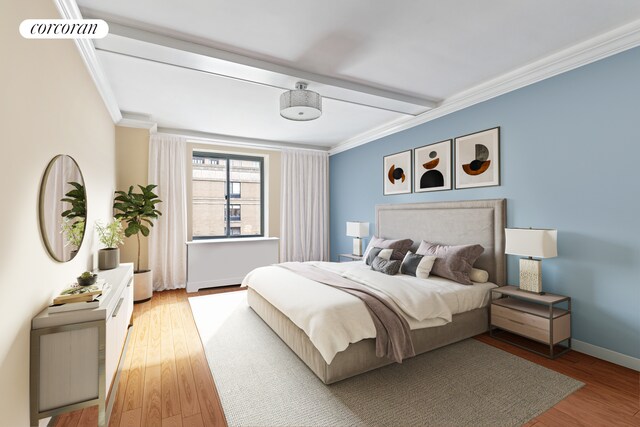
{"type": "Point", "coordinates": [333, 319]}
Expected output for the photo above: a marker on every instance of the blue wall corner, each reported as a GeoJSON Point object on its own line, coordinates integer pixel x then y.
{"type": "Point", "coordinates": [570, 159]}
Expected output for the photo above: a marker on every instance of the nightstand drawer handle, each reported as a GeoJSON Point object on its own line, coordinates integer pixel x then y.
{"type": "Point", "coordinates": [519, 323]}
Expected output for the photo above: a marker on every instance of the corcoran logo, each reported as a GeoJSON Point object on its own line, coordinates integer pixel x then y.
{"type": "Point", "coordinates": [64, 28]}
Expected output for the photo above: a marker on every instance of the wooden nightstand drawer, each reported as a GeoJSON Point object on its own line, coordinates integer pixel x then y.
{"type": "Point", "coordinates": [518, 322]}
{"type": "Point", "coordinates": [521, 317]}
{"type": "Point", "coordinates": [562, 328]}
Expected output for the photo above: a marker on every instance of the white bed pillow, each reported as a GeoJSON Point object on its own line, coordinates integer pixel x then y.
{"type": "Point", "coordinates": [479, 276]}
{"type": "Point", "coordinates": [377, 252]}
{"type": "Point", "coordinates": [417, 265]}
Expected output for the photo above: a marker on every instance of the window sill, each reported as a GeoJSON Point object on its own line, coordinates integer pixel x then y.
{"type": "Point", "coordinates": [230, 240]}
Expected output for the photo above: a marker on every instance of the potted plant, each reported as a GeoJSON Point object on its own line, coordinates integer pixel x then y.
{"type": "Point", "coordinates": [138, 210]}
{"type": "Point", "coordinates": [77, 198]}
{"type": "Point", "coordinates": [72, 232]}
{"type": "Point", "coordinates": [73, 219]}
{"type": "Point", "coordinates": [87, 279]}
{"type": "Point", "coordinates": [111, 236]}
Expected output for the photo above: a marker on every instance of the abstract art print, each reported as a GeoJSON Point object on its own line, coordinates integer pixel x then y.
{"type": "Point", "coordinates": [478, 159]}
{"type": "Point", "coordinates": [432, 167]}
{"type": "Point", "coordinates": [397, 173]}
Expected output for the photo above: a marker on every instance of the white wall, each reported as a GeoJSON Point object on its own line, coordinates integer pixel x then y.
{"type": "Point", "coordinates": [48, 106]}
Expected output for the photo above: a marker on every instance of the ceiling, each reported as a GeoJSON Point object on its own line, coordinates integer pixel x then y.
{"type": "Point", "coordinates": [219, 67]}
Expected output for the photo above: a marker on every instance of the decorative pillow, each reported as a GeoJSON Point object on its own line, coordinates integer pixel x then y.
{"type": "Point", "coordinates": [453, 262]}
{"type": "Point", "coordinates": [374, 252]}
{"type": "Point", "coordinates": [386, 266]}
{"type": "Point", "coordinates": [417, 265]}
{"type": "Point", "coordinates": [479, 276]}
{"type": "Point", "coordinates": [400, 247]}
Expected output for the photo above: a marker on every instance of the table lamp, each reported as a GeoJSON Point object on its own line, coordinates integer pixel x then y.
{"type": "Point", "coordinates": [530, 243]}
{"type": "Point", "coordinates": [357, 230]}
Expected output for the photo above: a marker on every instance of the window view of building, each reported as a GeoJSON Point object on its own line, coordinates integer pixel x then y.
{"type": "Point", "coordinates": [227, 195]}
{"type": "Point", "coordinates": [234, 190]}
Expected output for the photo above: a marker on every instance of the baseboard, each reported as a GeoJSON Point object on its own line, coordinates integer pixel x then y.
{"type": "Point", "coordinates": [606, 354]}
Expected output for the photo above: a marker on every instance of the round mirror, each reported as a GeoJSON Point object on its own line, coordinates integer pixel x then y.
{"type": "Point", "coordinates": [63, 208]}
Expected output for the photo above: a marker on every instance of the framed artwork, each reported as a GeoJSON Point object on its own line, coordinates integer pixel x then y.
{"type": "Point", "coordinates": [432, 167]}
{"type": "Point", "coordinates": [397, 173]}
{"type": "Point", "coordinates": [477, 161]}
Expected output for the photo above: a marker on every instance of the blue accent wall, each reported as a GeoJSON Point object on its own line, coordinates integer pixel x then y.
{"type": "Point", "coordinates": [570, 159]}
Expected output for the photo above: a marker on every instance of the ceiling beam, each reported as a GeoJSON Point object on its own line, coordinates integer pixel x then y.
{"type": "Point", "coordinates": [145, 44]}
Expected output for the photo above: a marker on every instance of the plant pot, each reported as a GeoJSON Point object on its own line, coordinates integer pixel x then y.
{"type": "Point", "coordinates": [142, 286]}
{"type": "Point", "coordinates": [108, 258]}
{"type": "Point", "coordinates": [87, 281]}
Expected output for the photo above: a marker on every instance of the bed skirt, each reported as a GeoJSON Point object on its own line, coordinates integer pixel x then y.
{"type": "Point", "coordinates": [361, 357]}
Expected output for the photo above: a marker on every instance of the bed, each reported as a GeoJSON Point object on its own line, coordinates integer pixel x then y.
{"type": "Point", "coordinates": [453, 223]}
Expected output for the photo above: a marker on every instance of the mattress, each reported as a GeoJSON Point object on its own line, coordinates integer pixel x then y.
{"type": "Point", "coordinates": [333, 319]}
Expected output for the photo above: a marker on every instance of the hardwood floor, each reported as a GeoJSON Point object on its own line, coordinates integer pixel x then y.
{"type": "Point", "coordinates": [166, 380]}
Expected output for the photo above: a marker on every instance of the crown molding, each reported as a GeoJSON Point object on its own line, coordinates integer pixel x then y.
{"type": "Point", "coordinates": [138, 121]}
{"type": "Point", "coordinates": [594, 49]}
{"type": "Point", "coordinates": [235, 141]}
{"type": "Point", "coordinates": [68, 9]}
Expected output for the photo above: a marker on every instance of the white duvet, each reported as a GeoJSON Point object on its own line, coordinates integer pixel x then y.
{"type": "Point", "coordinates": [333, 319]}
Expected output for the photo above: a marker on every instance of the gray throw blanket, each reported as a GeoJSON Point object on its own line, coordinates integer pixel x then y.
{"type": "Point", "coordinates": [393, 335]}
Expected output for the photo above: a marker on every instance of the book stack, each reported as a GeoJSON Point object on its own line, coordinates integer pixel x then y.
{"type": "Point", "coordinates": [77, 297]}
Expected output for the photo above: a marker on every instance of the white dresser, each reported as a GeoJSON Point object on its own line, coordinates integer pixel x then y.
{"type": "Point", "coordinates": [75, 356]}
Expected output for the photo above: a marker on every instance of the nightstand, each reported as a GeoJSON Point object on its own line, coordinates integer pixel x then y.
{"type": "Point", "coordinates": [349, 257]}
{"type": "Point", "coordinates": [532, 316]}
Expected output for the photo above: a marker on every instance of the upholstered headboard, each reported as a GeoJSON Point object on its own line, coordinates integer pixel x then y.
{"type": "Point", "coordinates": [452, 223]}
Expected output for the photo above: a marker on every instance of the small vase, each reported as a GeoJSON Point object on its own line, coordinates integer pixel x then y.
{"type": "Point", "coordinates": [108, 258]}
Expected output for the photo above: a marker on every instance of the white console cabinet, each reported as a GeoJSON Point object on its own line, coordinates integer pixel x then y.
{"type": "Point", "coordinates": [76, 355]}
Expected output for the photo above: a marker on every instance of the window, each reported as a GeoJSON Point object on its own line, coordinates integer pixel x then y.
{"type": "Point", "coordinates": [234, 213]}
{"type": "Point", "coordinates": [235, 231]}
{"type": "Point", "coordinates": [227, 197]}
{"type": "Point", "coordinates": [234, 188]}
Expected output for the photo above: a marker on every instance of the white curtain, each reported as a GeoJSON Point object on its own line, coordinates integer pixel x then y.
{"type": "Point", "coordinates": [167, 241]}
{"type": "Point", "coordinates": [304, 228]}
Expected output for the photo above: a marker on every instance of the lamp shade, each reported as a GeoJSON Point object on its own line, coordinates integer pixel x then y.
{"type": "Point", "coordinates": [532, 242]}
{"type": "Point", "coordinates": [357, 229]}
{"type": "Point", "coordinates": [300, 104]}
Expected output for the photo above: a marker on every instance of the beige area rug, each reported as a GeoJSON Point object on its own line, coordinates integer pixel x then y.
{"type": "Point", "coordinates": [263, 383]}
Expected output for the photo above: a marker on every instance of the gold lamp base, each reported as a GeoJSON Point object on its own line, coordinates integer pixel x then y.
{"type": "Point", "coordinates": [531, 275]}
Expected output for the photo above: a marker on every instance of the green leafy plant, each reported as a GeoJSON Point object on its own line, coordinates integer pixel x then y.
{"type": "Point", "coordinates": [73, 232]}
{"type": "Point", "coordinates": [137, 210]}
{"type": "Point", "coordinates": [78, 200]}
{"type": "Point", "coordinates": [110, 235]}
{"type": "Point", "coordinates": [87, 278]}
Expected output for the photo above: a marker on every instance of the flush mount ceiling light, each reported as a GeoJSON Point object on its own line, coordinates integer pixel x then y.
{"type": "Point", "coordinates": [300, 104]}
